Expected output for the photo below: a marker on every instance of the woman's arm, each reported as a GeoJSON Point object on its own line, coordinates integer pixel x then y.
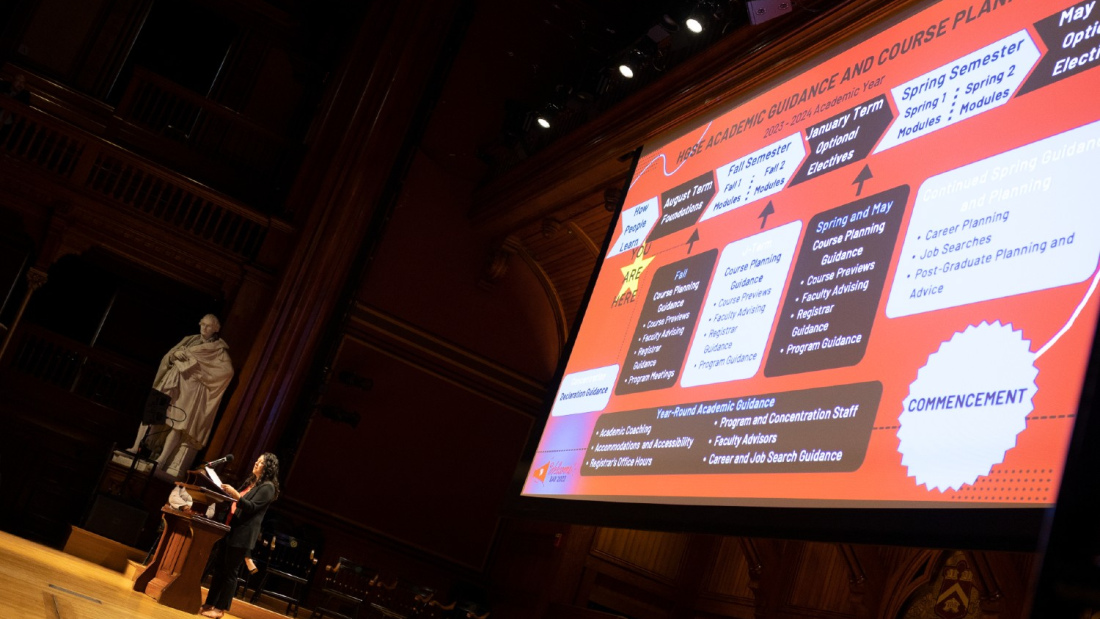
{"type": "Point", "coordinates": [256, 500]}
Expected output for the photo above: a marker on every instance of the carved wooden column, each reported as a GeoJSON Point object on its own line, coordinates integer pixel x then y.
{"type": "Point", "coordinates": [366, 117]}
{"type": "Point", "coordinates": [36, 278]}
{"type": "Point", "coordinates": [698, 559]}
{"type": "Point", "coordinates": [572, 546]}
{"type": "Point", "coordinates": [991, 602]}
{"type": "Point", "coordinates": [857, 582]}
{"type": "Point", "coordinates": [762, 602]}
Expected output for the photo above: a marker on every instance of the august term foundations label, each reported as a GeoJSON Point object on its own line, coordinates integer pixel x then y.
{"type": "Point", "coordinates": [837, 282]}
{"type": "Point", "coordinates": [809, 431]}
{"type": "Point", "coordinates": [682, 206]}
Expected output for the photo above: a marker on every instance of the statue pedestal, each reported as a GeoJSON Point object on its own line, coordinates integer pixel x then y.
{"type": "Point", "coordinates": [180, 461]}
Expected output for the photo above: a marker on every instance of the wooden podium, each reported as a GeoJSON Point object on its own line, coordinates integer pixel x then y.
{"type": "Point", "coordinates": [174, 576]}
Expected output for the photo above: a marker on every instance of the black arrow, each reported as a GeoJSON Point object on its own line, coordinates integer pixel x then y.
{"type": "Point", "coordinates": [768, 210]}
{"type": "Point", "coordinates": [694, 237]}
{"type": "Point", "coordinates": [863, 176]}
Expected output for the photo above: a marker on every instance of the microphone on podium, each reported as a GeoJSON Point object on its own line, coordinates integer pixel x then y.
{"type": "Point", "coordinates": [221, 460]}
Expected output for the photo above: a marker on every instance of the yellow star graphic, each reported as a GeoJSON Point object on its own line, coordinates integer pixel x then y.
{"type": "Point", "coordinates": [632, 273]}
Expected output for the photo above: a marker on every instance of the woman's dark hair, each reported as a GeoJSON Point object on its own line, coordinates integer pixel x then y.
{"type": "Point", "coordinates": [269, 473]}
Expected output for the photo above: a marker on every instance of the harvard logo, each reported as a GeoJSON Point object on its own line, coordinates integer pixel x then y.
{"type": "Point", "coordinates": [953, 601]}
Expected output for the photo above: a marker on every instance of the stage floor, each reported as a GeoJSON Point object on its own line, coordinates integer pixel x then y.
{"type": "Point", "coordinates": [37, 582]}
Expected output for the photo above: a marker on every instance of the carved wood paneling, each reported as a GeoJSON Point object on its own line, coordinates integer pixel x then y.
{"type": "Point", "coordinates": [1004, 580]}
{"type": "Point", "coordinates": [953, 588]}
{"type": "Point", "coordinates": [785, 579]}
{"type": "Point", "coordinates": [821, 579]}
{"type": "Point", "coordinates": [727, 589]}
{"type": "Point", "coordinates": [729, 575]}
{"type": "Point", "coordinates": [911, 571]}
{"type": "Point", "coordinates": [656, 554]}
{"type": "Point", "coordinates": [632, 601]}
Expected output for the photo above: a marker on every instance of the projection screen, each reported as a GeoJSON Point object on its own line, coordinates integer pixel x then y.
{"type": "Point", "coordinates": [870, 284]}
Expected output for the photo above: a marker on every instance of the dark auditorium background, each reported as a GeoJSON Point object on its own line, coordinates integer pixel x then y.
{"type": "Point", "coordinates": [397, 253]}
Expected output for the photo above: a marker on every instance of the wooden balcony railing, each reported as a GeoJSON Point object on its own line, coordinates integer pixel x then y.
{"type": "Point", "coordinates": [90, 373]}
{"type": "Point", "coordinates": [217, 133]}
{"type": "Point", "coordinates": [131, 183]}
{"type": "Point", "coordinates": [45, 147]}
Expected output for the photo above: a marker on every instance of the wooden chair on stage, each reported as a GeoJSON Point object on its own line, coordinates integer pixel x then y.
{"type": "Point", "coordinates": [436, 609]}
{"type": "Point", "coordinates": [274, 523]}
{"type": "Point", "coordinates": [421, 601]}
{"type": "Point", "coordinates": [470, 610]}
{"type": "Point", "coordinates": [346, 588]}
{"type": "Point", "coordinates": [286, 565]}
{"type": "Point", "coordinates": [397, 599]}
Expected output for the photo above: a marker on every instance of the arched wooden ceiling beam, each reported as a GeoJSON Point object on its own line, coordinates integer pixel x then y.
{"type": "Point", "coordinates": [499, 266]}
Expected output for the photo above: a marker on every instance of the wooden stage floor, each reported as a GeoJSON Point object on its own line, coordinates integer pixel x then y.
{"type": "Point", "coordinates": [37, 582]}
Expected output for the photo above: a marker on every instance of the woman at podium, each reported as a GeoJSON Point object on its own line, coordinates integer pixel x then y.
{"type": "Point", "coordinates": [246, 515]}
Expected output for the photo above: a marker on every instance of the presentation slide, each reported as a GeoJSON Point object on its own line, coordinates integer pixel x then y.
{"type": "Point", "coordinates": [872, 284]}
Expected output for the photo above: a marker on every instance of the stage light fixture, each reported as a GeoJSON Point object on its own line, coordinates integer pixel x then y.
{"type": "Point", "coordinates": [636, 59]}
{"type": "Point", "coordinates": [701, 14]}
{"type": "Point", "coordinates": [541, 120]}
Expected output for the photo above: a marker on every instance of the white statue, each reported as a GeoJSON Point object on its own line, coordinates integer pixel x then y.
{"type": "Point", "coordinates": [194, 374]}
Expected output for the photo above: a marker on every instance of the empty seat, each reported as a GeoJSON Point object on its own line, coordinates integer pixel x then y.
{"type": "Point", "coordinates": [347, 587]}
{"type": "Point", "coordinates": [436, 609]}
{"type": "Point", "coordinates": [286, 566]}
{"type": "Point", "coordinates": [470, 610]}
{"type": "Point", "coordinates": [398, 599]}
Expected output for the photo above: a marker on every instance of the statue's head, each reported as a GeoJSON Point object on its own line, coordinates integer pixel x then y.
{"type": "Point", "coordinates": [209, 326]}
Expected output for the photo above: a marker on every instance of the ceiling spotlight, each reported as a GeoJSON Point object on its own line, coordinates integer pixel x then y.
{"type": "Point", "coordinates": [541, 120]}
{"type": "Point", "coordinates": [694, 25]}
{"type": "Point", "coordinates": [633, 61]}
